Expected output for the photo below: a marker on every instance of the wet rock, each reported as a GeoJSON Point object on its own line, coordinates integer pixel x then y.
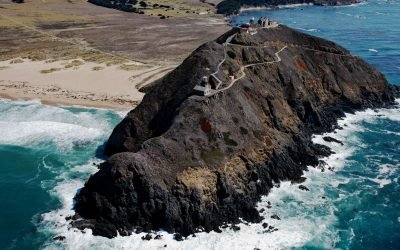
{"type": "Point", "coordinates": [277, 185]}
{"type": "Point", "coordinates": [235, 228]}
{"type": "Point", "coordinates": [106, 230]}
{"type": "Point", "coordinates": [139, 230]}
{"type": "Point", "coordinates": [265, 225]}
{"type": "Point", "coordinates": [299, 180]}
{"type": "Point", "coordinates": [178, 237]}
{"type": "Point", "coordinates": [125, 232]}
{"type": "Point", "coordinates": [158, 237]}
{"type": "Point", "coordinates": [304, 188]}
{"type": "Point", "coordinates": [276, 217]}
{"type": "Point", "coordinates": [322, 150]}
{"type": "Point", "coordinates": [322, 165]}
{"type": "Point", "coordinates": [59, 238]}
{"type": "Point", "coordinates": [331, 139]}
{"type": "Point", "coordinates": [147, 237]}
{"type": "Point", "coordinates": [270, 229]}
{"type": "Point", "coordinates": [199, 229]}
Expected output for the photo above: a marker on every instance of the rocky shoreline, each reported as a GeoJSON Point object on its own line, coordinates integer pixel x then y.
{"type": "Point", "coordinates": [188, 163]}
{"type": "Point", "coordinates": [229, 7]}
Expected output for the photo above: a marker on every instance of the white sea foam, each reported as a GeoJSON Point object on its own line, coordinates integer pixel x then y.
{"type": "Point", "coordinates": [373, 50]}
{"type": "Point", "coordinates": [296, 5]}
{"type": "Point", "coordinates": [351, 5]}
{"type": "Point", "coordinates": [299, 224]}
{"type": "Point", "coordinates": [309, 30]}
{"type": "Point", "coordinates": [59, 125]}
{"type": "Point", "coordinates": [381, 182]}
{"type": "Point", "coordinates": [64, 135]}
{"type": "Point", "coordinates": [386, 169]}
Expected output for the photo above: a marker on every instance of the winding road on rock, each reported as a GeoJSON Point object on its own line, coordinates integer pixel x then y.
{"type": "Point", "coordinates": [242, 69]}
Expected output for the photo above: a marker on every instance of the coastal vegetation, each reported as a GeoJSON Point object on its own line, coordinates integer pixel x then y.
{"type": "Point", "coordinates": [51, 70]}
{"type": "Point", "coordinates": [126, 5]}
{"type": "Point", "coordinates": [160, 8]}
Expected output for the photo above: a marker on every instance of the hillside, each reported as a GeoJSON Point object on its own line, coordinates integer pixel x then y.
{"type": "Point", "coordinates": [185, 162]}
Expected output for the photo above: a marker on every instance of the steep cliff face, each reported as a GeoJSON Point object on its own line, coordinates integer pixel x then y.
{"type": "Point", "coordinates": [183, 162]}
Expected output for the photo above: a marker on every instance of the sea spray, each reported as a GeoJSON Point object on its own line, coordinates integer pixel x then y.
{"type": "Point", "coordinates": [306, 218]}
{"type": "Point", "coordinates": [41, 147]}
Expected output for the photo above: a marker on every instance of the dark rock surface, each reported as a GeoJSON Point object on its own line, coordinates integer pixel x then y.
{"type": "Point", "coordinates": [60, 238]}
{"type": "Point", "coordinates": [147, 237]}
{"type": "Point", "coordinates": [187, 163]}
{"type": "Point", "coordinates": [275, 217]}
{"type": "Point", "coordinates": [331, 139]}
{"type": "Point", "coordinates": [304, 188]}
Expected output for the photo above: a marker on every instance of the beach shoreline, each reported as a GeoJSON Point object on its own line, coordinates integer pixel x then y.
{"type": "Point", "coordinates": [58, 51]}
{"type": "Point", "coordinates": [109, 87]}
{"type": "Point", "coordinates": [296, 5]}
{"type": "Point", "coordinates": [255, 8]}
{"type": "Point", "coordinates": [76, 82]}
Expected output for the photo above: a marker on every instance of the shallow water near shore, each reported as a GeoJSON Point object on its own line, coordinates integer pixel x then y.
{"type": "Point", "coordinates": [48, 152]}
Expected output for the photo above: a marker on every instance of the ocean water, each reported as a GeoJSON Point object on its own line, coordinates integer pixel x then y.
{"type": "Point", "coordinates": [370, 29]}
{"type": "Point", "coordinates": [42, 148]}
{"type": "Point", "coordinates": [47, 153]}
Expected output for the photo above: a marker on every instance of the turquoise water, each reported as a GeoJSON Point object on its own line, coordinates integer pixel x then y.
{"type": "Point", "coordinates": [370, 30]}
{"type": "Point", "coordinates": [39, 145]}
{"type": "Point", "coordinates": [47, 153]}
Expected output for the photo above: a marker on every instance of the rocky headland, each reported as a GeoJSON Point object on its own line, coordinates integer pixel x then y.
{"type": "Point", "coordinates": [188, 163]}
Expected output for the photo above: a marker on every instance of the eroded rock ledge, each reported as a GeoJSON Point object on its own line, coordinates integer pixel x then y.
{"type": "Point", "coordinates": [182, 162]}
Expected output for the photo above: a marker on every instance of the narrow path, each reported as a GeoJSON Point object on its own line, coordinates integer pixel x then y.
{"type": "Point", "coordinates": [242, 69]}
{"type": "Point", "coordinates": [228, 40]}
{"type": "Point", "coordinates": [278, 59]}
{"type": "Point", "coordinates": [225, 44]}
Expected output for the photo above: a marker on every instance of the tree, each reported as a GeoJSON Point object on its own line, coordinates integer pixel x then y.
{"type": "Point", "coordinates": [143, 4]}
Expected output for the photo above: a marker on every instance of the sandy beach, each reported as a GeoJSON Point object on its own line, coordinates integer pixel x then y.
{"type": "Point", "coordinates": [75, 82]}
{"type": "Point", "coordinates": [77, 53]}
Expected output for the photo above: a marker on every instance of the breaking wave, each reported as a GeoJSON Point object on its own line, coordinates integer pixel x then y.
{"type": "Point", "coordinates": [311, 218]}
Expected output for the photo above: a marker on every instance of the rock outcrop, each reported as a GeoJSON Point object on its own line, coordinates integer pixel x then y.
{"type": "Point", "coordinates": [185, 163]}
